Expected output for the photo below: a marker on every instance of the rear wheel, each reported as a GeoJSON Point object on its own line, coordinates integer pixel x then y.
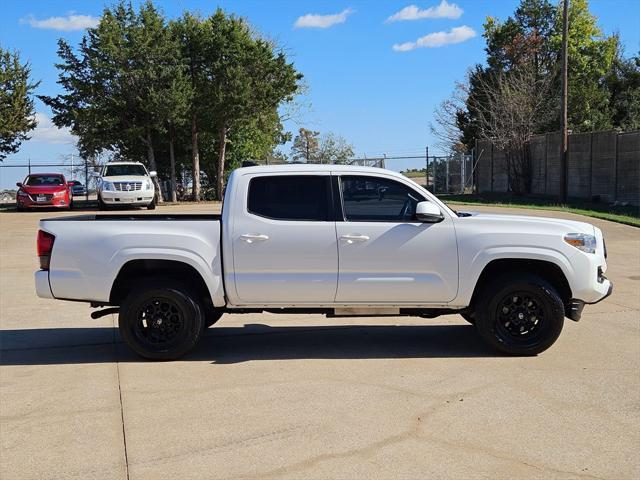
{"type": "Point", "coordinates": [161, 322]}
{"type": "Point", "coordinates": [520, 314]}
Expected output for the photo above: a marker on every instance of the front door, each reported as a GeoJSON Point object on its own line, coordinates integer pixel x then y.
{"type": "Point", "coordinates": [284, 243]}
{"type": "Point", "coordinates": [385, 255]}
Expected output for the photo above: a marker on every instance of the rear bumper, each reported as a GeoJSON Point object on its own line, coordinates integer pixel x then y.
{"type": "Point", "coordinates": [43, 289]}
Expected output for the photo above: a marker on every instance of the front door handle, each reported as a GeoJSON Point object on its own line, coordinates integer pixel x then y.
{"type": "Point", "coordinates": [251, 238]}
{"type": "Point", "coordinates": [354, 238]}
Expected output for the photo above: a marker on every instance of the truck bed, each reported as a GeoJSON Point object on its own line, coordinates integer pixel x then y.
{"type": "Point", "coordinates": [89, 251]}
{"type": "Point", "coordinates": [156, 217]}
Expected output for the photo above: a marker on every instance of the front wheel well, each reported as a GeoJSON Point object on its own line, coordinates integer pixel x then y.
{"type": "Point", "coordinates": [135, 272]}
{"type": "Point", "coordinates": [548, 271]}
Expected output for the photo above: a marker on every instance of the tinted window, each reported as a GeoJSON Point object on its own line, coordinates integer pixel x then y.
{"type": "Point", "coordinates": [41, 180]}
{"type": "Point", "coordinates": [124, 170]}
{"type": "Point", "coordinates": [378, 199]}
{"type": "Point", "coordinates": [290, 197]}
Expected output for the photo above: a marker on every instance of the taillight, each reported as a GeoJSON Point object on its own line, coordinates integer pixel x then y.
{"type": "Point", "coordinates": [44, 247]}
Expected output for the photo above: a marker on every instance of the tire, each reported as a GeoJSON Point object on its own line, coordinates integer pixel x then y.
{"type": "Point", "coordinates": [519, 314]}
{"type": "Point", "coordinates": [152, 205]}
{"type": "Point", "coordinates": [212, 317]}
{"type": "Point", "coordinates": [176, 321]}
{"type": "Point", "coordinates": [101, 204]}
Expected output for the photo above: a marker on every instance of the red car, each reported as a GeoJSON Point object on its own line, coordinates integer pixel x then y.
{"type": "Point", "coordinates": [49, 190]}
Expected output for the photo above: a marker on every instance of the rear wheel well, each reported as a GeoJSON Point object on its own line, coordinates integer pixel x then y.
{"type": "Point", "coordinates": [546, 270]}
{"type": "Point", "coordinates": [136, 271]}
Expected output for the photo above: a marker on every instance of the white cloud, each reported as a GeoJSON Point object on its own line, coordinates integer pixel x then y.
{"type": "Point", "coordinates": [65, 24]}
{"type": "Point", "coordinates": [47, 132]}
{"type": "Point", "coordinates": [312, 20]}
{"type": "Point", "coordinates": [438, 39]}
{"type": "Point", "coordinates": [412, 12]}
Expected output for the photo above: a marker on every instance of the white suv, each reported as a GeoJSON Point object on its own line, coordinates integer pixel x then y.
{"type": "Point", "coordinates": [126, 183]}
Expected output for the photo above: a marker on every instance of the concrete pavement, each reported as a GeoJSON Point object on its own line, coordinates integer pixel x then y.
{"type": "Point", "coordinates": [302, 396]}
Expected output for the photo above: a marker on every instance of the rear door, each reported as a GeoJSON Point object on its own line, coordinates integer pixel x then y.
{"type": "Point", "coordinates": [284, 242]}
{"type": "Point", "coordinates": [386, 256]}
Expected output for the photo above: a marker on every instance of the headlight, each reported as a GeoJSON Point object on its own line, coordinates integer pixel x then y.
{"type": "Point", "coordinates": [61, 193]}
{"type": "Point", "coordinates": [22, 193]}
{"type": "Point", "coordinates": [582, 241]}
{"type": "Point", "coordinates": [147, 185]}
{"type": "Point", "coordinates": [107, 186]}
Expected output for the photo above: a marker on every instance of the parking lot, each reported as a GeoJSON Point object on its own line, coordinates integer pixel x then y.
{"type": "Point", "coordinates": [303, 396]}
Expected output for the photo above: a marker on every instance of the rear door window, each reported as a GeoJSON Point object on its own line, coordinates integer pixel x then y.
{"type": "Point", "coordinates": [290, 197]}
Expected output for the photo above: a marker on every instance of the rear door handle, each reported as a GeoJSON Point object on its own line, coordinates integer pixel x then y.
{"type": "Point", "coordinates": [251, 238]}
{"type": "Point", "coordinates": [354, 238]}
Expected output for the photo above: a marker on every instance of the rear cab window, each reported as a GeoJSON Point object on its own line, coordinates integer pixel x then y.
{"type": "Point", "coordinates": [290, 197]}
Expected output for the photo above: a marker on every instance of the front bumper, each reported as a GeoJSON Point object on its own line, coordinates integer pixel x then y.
{"type": "Point", "coordinates": [574, 307]}
{"type": "Point", "coordinates": [54, 202]}
{"type": "Point", "coordinates": [138, 197]}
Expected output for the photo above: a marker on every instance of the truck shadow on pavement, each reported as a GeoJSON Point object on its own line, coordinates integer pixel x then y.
{"type": "Point", "coordinates": [230, 345]}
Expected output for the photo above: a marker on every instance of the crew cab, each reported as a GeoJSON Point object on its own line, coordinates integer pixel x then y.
{"type": "Point", "coordinates": [337, 240]}
{"type": "Point", "coordinates": [126, 184]}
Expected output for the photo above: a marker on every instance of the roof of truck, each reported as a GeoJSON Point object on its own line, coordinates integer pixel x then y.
{"type": "Point", "coordinates": [305, 167]}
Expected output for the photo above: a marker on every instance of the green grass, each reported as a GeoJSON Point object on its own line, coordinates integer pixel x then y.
{"type": "Point", "coordinates": [629, 215]}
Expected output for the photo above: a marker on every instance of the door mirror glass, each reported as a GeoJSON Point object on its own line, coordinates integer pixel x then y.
{"type": "Point", "coordinates": [428, 212]}
{"type": "Point", "coordinates": [19, 185]}
{"type": "Point", "coordinates": [153, 173]}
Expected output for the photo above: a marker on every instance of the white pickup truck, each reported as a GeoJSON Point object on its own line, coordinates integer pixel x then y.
{"type": "Point", "coordinates": [338, 240]}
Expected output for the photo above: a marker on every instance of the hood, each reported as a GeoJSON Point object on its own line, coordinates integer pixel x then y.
{"type": "Point", "coordinates": [528, 221]}
{"type": "Point", "coordinates": [126, 178]}
{"type": "Point", "coordinates": [35, 189]}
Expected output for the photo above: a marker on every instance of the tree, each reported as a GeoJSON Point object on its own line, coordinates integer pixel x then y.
{"type": "Point", "coordinates": [306, 146]}
{"type": "Point", "coordinates": [514, 107]}
{"type": "Point", "coordinates": [334, 149]}
{"type": "Point", "coordinates": [17, 115]}
{"type": "Point", "coordinates": [193, 39]}
{"type": "Point", "coordinates": [449, 117]}
{"type": "Point", "coordinates": [591, 57]}
{"type": "Point", "coordinates": [250, 78]}
{"type": "Point", "coordinates": [624, 86]}
{"type": "Point", "coordinates": [119, 85]}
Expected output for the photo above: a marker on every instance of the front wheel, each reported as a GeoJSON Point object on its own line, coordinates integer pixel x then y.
{"type": "Point", "coordinates": [152, 205]}
{"type": "Point", "coordinates": [101, 204]}
{"type": "Point", "coordinates": [520, 314]}
{"type": "Point", "coordinates": [161, 322]}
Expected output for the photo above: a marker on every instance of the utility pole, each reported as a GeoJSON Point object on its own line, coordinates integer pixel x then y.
{"type": "Point", "coordinates": [564, 178]}
{"type": "Point", "coordinates": [86, 177]}
{"type": "Point", "coordinates": [426, 169]}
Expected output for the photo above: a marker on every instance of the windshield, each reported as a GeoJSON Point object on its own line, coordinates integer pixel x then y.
{"type": "Point", "coordinates": [123, 170]}
{"type": "Point", "coordinates": [42, 180]}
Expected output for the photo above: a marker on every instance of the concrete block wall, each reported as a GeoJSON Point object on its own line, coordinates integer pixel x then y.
{"type": "Point", "coordinates": [602, 165]}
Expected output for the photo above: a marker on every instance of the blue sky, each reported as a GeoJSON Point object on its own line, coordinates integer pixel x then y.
{"type": "Point", "coordinates": [379, 97]}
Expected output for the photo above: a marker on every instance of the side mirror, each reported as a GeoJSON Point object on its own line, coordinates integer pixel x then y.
{"type": "Point", "coordinates": [428, 212]}
{"type": "Point", "coordinates": [19, 184]}
{"type": "Point", "coordinates": [153, 174]}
